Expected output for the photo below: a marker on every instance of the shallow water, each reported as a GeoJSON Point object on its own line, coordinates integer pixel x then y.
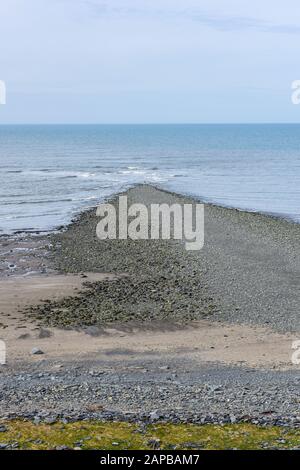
{"type": "Point", "coordinates": [48, 173]}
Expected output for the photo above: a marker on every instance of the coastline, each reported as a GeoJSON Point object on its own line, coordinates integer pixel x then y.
{"type": "Point", "coordinates": [209, 202]}
{"type": "Point", "coordinates": [252, 239]}
{"type": "Point", "coordinates": [183, 325]}
{"type": "Point", "coordinates": [127, 187]}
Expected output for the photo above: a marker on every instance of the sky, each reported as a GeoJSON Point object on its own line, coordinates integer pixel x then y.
{"type": "Point", "coordinates": [149, 61]}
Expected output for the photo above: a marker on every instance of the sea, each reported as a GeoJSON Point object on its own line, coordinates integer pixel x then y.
{"type": "Point", "coordinates": [49, 173]}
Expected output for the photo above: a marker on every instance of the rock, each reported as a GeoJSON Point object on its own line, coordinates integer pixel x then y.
{"type": "Point", "coordinates": [215, 388]}
{"type": "Point", "coordinates": [154, 444]}
{"type": "Point", "coordinates": [96, 373]}
{"type": "Point", "coordinates": [50, 420]}
{"type": "Point", "coordinates": [3, 428]}
{"type": "Point", "coordinates": [154, 415]}
{"type": "Point", "coordinates": [37, 351]}
{"type": "Point", "coordinates": [14, 445]}
{"type": "Point", "coordinates": [3, 446]}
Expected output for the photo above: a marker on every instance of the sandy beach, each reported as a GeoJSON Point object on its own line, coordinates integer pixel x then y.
{"type": "Point", "coordinates": [146, 330]}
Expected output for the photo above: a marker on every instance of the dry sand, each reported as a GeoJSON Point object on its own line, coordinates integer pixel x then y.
{"type": "Point", "coordinates": [201, 341]}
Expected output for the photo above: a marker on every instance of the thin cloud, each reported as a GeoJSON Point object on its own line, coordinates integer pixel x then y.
{"type": "Point", "coordinates": [218, 22]}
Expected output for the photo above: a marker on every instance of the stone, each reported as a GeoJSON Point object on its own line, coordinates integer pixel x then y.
{"type": "Point", "coordinates": [36, 351]}
{"type": "Point", "coordinates": [154, 415]}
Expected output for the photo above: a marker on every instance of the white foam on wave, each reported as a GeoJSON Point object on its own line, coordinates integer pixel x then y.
{"type": "Point", "coordinates": [35, 209]}
{"type": "Point", "coordinates": [55, 173]}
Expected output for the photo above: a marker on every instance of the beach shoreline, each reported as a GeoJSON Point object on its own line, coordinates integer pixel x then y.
{"type": "Point", "coordinates": [153, 316]}
{"type": "Point", "coordinates": [266, 238]}
{"type": "Point", "coordinates": [277, 216]}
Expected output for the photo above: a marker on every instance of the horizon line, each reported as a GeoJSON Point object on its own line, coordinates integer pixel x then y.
{"type": "Point", "coordinates": [147, 123]}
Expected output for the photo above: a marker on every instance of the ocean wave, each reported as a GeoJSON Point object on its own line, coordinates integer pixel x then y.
{"type": "Point", "coordinates": [39, 201]}
{"type": "Point", "coordinates": [54, 173]}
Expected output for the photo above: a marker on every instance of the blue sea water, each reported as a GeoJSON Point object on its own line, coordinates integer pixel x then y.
{"type": "Point", "coordinates": [49, 173]}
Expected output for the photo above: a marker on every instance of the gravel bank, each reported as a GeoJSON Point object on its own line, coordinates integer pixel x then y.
{"type": "Point", "coordinates": [248, 271]}
{"type": "Point", "coordinates": [150, 389]}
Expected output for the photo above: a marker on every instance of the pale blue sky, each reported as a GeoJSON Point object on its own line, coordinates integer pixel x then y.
{"type": "Point", "coordinates": [145, 61]}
